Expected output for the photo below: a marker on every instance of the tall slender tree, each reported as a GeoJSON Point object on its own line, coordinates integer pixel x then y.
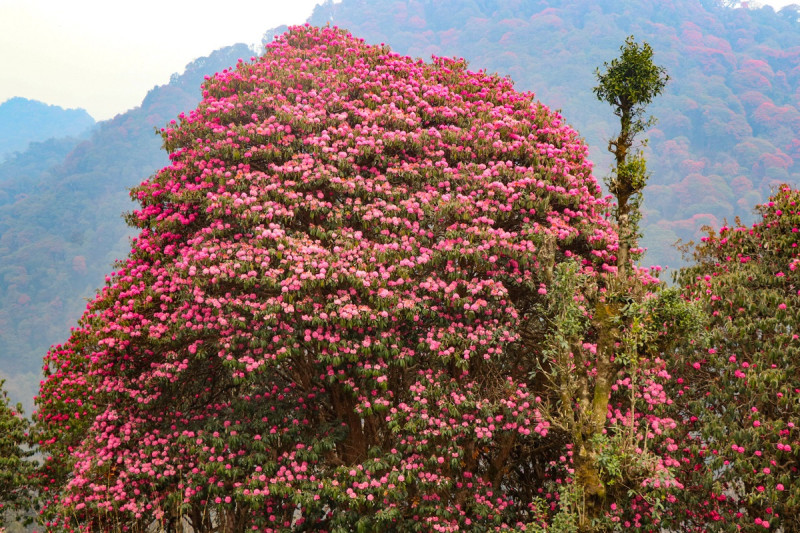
{"type": "Point", "coordinates": [605, 352]}
{"type": "Point", "coordinates": [630, 320]}
{"type": "Point", "coordinates": [629, 83]}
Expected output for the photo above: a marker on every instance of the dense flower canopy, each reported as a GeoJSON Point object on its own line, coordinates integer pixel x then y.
{"type": "Point", "coordinates": [332, 312]}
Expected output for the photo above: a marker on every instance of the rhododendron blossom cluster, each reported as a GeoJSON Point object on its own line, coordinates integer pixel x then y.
{"type": "Point", "coordinates": [740, 389]}
{"type": "Point", "coordinates": [325, 320]}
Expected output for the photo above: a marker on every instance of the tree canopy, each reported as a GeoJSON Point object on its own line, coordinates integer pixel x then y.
{"type": "Point", "coordinates": [629, 83]}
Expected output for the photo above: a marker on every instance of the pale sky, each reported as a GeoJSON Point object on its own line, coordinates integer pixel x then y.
{"type": "Point", "coordinates": [104, 55]}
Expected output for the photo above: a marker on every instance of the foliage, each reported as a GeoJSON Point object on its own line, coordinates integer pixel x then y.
{"type": "Point", "coordinates": [354, 299]}
{"type": "Point", "coordinates": [629, 83]}
{"type": "Point", "coordinates": [740, 389]}
{"type": "Point", "coordinates": [16, 470]}
{"type": "Point", "coordinates": [608, 396]}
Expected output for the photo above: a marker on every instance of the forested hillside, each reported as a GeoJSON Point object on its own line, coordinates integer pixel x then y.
{"type": "Point", "coordinates": [23, 121]}
{"type": "Point", "coordinates": [729, 121]}
{"type": "Point", "coordinates": [61, 219]}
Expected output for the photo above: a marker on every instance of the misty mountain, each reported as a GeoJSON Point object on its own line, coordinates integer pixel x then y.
{"type": "Point", "coordinates": [23, 121]}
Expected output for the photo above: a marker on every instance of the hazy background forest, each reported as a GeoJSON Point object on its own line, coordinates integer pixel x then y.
{"type": "Point", "coordinates": [728, 132]}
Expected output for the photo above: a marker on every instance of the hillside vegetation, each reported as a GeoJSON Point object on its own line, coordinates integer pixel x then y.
{"type": "Point", "coordinates": [729, 121]}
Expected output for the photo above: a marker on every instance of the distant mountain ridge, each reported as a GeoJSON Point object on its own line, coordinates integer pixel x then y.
{"type": "Point", "coordinates": [23, 121]}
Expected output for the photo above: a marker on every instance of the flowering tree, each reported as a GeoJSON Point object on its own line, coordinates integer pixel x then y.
{"type": "Point", "coordinates": [740, 391]}
{"type": "Point", "coordinates": [356, 297]}
{"type": "Point", "coordinates": [16, 469]}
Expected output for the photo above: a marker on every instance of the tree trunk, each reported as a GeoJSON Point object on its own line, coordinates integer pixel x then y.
{"type": "Point", "coordinates": [354, 448]}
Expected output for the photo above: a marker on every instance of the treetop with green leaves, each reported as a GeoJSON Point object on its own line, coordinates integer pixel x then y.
{"type": "Point", "coordinates": [630, 82]}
